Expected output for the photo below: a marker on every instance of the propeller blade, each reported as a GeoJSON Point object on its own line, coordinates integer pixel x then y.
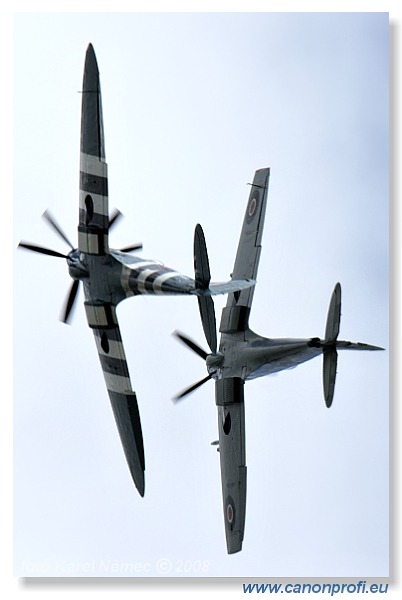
{"type": "Point", "coordinates": [192, 388]}
{"type": "Point", "coordinates": [70, 300]}
{"type": "Point", "coordinates": [53, 223]}
{"type": "Point", "coordinates": [41, 250]}
{"type": "Point", "coordinates": [115, 216]}
{"type": "Point", "coordinates": [131, 248]}
{"type": "Point", "coordinates": [192, 345]}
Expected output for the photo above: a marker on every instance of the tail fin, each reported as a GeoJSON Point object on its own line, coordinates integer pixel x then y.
{"type": "Point", "coordinates": [330, 353]}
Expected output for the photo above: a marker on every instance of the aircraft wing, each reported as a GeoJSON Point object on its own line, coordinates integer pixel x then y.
{"type": "Point", "coordinates": [235, 315]}
{"type": "Point", "coordinates": [103, 322]}
{"type": "Point", "coordinates": [94, 205]}
{"type": "Point", "coordinates": [232, 450]}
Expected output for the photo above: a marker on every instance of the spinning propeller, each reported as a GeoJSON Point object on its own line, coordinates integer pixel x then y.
{"type": "Point", "coordinates": [72, 257]}
{"type": "Point", "coordinates": [200, 352]}
{"type": "Point", "coordinates": [41, 250]}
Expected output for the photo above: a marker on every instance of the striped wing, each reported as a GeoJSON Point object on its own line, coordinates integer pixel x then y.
{"type": "Point", "coordinates": [93, 214]}
{"type": "Point", "coordinates": [103, 321]}
{"type": "Point", "coordinates": [93, 228]}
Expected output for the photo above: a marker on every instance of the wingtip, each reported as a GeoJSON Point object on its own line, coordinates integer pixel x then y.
{"type": "Point", "coordinates": [140, 485]}
{"type": "Point", "coordinates": [234, 544]}
{"type": "Point", "coordinates": [92, 137]}
{"type": "Point", "coordinates": [91, 70]}
{"type": "Point", "coordinates": [90, 50]}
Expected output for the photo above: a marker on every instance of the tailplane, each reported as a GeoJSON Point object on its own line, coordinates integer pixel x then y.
{"type": "Point", "coordinates": [329, 375]}
{"type": "Point", "coordinates": [331, 344]}
{"type": "Point", "coordinates": [203, 285]}
{"type": "Point", "coordinates": [204, 289]}
{"type": "Point", "coordinates": [330, 353]}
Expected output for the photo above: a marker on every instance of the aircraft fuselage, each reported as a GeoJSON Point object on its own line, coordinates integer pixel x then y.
{"type": "Point", "coordinates": [248, 355]}
{"type": "Point", "coordinates": [118, 275]}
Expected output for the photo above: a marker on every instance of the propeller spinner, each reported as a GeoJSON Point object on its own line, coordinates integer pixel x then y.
{"type": "Point", "coordinates": [76, 269]}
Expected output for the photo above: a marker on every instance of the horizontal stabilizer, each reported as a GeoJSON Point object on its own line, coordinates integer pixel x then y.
{"type": "Point", "coordinates": [329, 375]}
{"type": "Point", "coordinates": [331, 345]}
{"type": "Point", "coordinates": [356, 346]}
{"type": "Point", "coordinates": [334, 315]}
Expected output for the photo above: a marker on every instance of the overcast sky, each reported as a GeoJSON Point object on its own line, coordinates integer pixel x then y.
{"type": "Point", "coordinates": [193, 105]}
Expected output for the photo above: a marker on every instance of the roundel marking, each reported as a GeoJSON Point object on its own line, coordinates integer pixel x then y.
{"type": "Point", "coordinates": [230, 512]}
{"type": "Point", "coordinates": [253, 205]}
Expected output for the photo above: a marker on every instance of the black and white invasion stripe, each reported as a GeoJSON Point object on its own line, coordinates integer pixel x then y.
{"type": "Point", "coordinates": [149, 277]}
{"type": "Point", "coordinates": [93, 206]}
{"type": "Point", "coordinates": [103, 321]}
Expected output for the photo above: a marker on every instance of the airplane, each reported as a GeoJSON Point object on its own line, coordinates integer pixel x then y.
{"type": "Point", "coordinates": [245, 355]}
{"type": "Point", "coordinates": [110, 276]}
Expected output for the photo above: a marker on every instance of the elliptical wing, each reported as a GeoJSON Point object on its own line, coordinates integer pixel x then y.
{"type": "Point", "coordinates": [232, 451]}
{"type": "Point", "coordinates": [236, 314]}
{"type": "Point", "coordinates": [103, 321]}
{"type": "Point", "coordinates": [94, 205]}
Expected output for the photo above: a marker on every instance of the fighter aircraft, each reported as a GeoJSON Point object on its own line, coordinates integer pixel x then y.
{"type": "Point", "coordinates": [245, 355]}
{"type": "Point", "coordinates": [110, 276]}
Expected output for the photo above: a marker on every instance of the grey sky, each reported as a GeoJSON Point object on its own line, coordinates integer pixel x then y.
{"type": "Point", "coordinates": [193, 105]}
